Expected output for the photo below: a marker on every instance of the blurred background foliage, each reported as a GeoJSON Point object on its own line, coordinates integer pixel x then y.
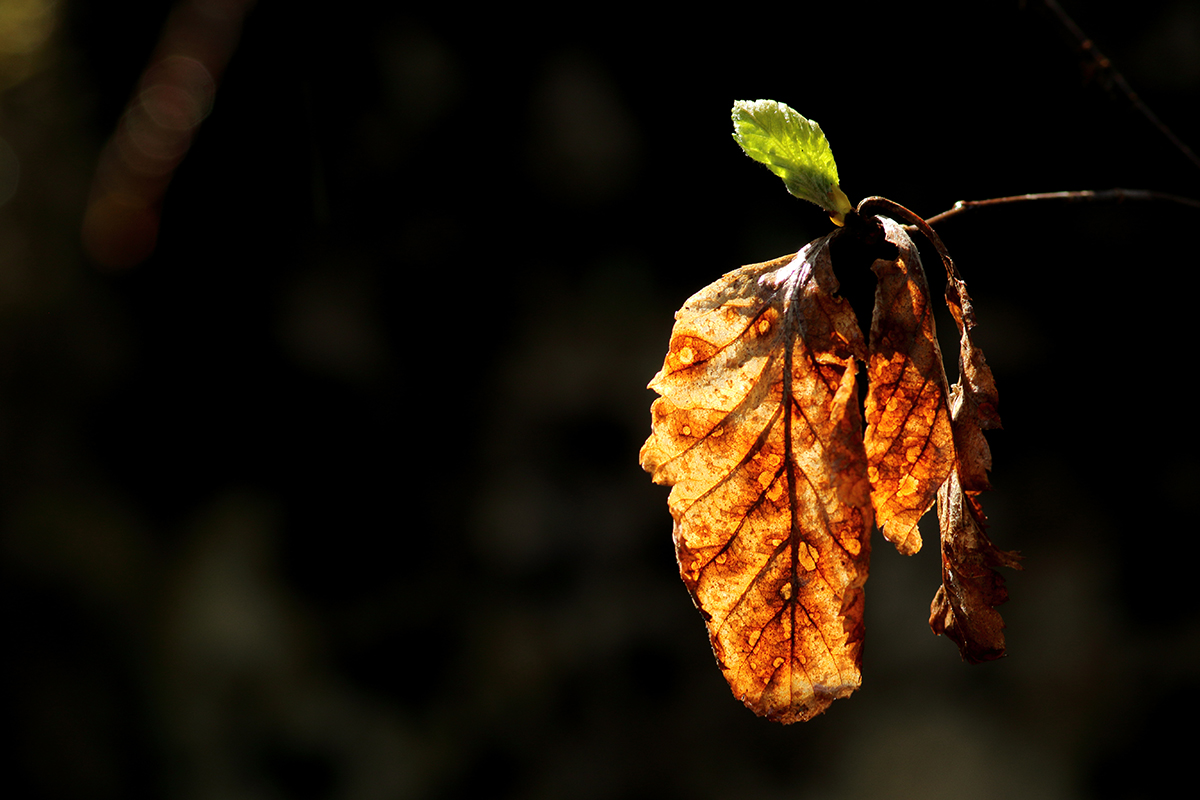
{"type": "Point", "coordinates": [318, 457]}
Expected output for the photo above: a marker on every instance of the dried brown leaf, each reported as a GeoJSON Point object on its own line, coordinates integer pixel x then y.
{"type": "Point", "coordinates": [758, 431]}
{"type": "Point", "coordinates": [974, 401]}
{"type": "Point", "coordinates": [964, 606]}
{"type": "Point", "coordinates": [775, 485]}
{"type": "Point", "coordinates": [909, 442]}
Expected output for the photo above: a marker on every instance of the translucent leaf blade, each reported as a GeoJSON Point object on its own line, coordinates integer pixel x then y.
{"type": "Point", "coordinates": [909, 440]}
{"type": "Point", "coordinates": [793, 148]}
{"type": "Point", "coordinates": [758, 432]}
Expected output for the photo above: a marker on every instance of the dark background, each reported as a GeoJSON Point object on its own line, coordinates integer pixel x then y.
{"type": "Point", "coordinates": [336, 495]}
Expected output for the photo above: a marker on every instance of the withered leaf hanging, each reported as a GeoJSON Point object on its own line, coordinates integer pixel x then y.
{"type": "Point", "coordinates": [758, 431]}
{"type": "Point", "coordinates": [775, 486]}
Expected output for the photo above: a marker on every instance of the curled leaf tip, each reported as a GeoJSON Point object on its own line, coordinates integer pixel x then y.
{"type": "Point", "coordinates": [841, 205]}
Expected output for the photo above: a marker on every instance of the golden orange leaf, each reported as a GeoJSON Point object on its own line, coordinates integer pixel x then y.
{"type": "Point", "coordinates": [909, 442]}
{"type": "Point", "coordinates": [775, 485]}
{"type": "Point", "coordinates": [759, 433]}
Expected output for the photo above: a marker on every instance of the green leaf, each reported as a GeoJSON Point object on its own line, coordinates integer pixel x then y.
{"type": "Point", "coordinates": [794, 148]}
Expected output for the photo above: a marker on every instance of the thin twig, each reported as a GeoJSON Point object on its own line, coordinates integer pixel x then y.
{"type": "Point", "coordinates": [1108, 195]}
{"type": "Point", "coordinates": [1103, 66]}
{"type": "Point", "coordinates": [901, 214]}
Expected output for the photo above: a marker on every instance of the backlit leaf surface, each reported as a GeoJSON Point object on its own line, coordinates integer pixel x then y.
{"type": "Point", "coordinates": [759, 433]}
{"type": "Point", "coordinates": [776, 486]}
{"type": "Point", "coordinates": [909, 443]}
{"type": "Point", "coordinates": [794, 148]}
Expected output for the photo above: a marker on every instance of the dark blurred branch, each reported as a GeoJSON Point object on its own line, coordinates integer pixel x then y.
{"type": "Point", "coordinates": [1099, 65]}
{"type": "Point", "coordinates": [172, 98]}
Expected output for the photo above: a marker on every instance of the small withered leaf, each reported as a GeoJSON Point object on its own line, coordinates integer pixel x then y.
{"type": "Point", "coordinates": [974, 401]}
{"type": "Point", "coordinates": [909, 442]}
{"type": "Point", "coordinates": [964, 606]}
{"type": "Point", "coordinates": [759, 433]}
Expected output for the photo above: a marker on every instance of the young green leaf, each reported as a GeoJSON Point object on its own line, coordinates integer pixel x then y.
{"type": "Point", "coordinates": [794, 148]}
